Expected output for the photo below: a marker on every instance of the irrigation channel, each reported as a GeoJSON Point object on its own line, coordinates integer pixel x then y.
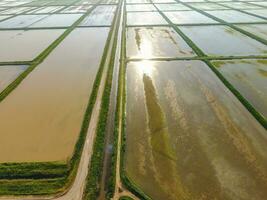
{"type": "Point", "coordinates": [178, 104]}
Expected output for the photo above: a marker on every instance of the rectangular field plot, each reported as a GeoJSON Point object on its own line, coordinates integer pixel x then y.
{"type": "Point", "coordinates": [100, 16]}
{"type": "Point", "coordinates": [19, 45]}
{"type": "Point", "coordinates": [172, 7]}
{"type": "Point", "coordinates": [234, 16]}
{"type": "Point", "coordinates": [256, 29]}
{"type": "Point", "coordinates": [57, 20]}
{"type": "Point", "coordinates": [207, 6]}
{"type": "Point", "coordinates": [223, 41]}
{"type": "Point", "coordinates": [9, 73]}
{"type": "Point", "coordinates": [21, 21]}
{"type": "Point", "coordinates": [188, 17]}
{"type": "Point", "coordinates": [44, 10]}
{"type": "Point", "coordinates": [137, 1]}
{"type": "Point", "coordinates": [261, 4]}
{"type": "Point", "coordinates": [2, 17]}
{"type": "Point", "coordinates": [188, 137]}
{"type": "Point", "coordinates": [15, 10]}
{"type": "Point", "coordinates": [156, 42]}
{"type": "Point", "coordinates": [249, 77]}
{"type": "Point", "coordinates": [164, 1]}
{"type": "Point", "coordinates": [240, 5]}
{"type": "Point", "coordinates": [261, 12]}
{"type": "Point", "coordinates": [77, 9]}
{"type": "Point", "coordinates": [49, 105]}
{"type": "Point", "coordinates": [140, 7]}
{"type": "Point", "coordinates": [145, 18]}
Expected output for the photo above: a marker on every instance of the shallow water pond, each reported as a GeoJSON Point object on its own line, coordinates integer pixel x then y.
{"type": "Point", "coordinates": [9, 73]}
{"type": "Point", "coordinates": [156, 42]}
{"type": "Point", "coordinates": [57, 20]}
{"type": "Point", "coordinates": [22, 45]}
{"type": "Point", "coordinates": [256, 29]}
{"type": "Point", "coordinates": [249, 77]}
{"type": "Point", "coordinates": [145, 18]}
{"type": "Point", "coordinates": [188, 137]}
{"type": "Point", "coordinates": [188, 17]}
{"type": "Point", "coordinates": [21, 21]}
{"type": "Point", "coordinates": [100, 16]}
{"type": "Point", "coordinates": [49, 105]}
{"type": "Point", "coordinates": [234, 16]}
{"type": "Point", "coordinates": [223, 41]}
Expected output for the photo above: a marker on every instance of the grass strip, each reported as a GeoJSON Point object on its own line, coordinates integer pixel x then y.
{"type": "Point", "coordinates": [95, 170]}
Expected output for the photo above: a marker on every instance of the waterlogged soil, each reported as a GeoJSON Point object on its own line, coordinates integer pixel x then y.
{"type": "Point", "coordinates": [57, 20]}
{"type": "Point", "coordinates": [188, 17]}
{"type": "Point", "coordinates": [9, 73]}
{"type": "Point", "coordinates": [25, 45]}
{"type": "Point", "coordinates": [21, 21]}
{"type": "Point", "coordinates": [223, 41]}
{"type": "Point", "coordinates": [100, 16]}
{"type": "Point", "coordinates": [256, 29]}
{"type": "Point", "coordinates": [188, 137]}
{"type": "Point", "coordinates": [249, 77]}
{"type": "Point", "coordinates": [156, 42]}
{"type": "Point", "coordinates": [172, 7]}
{"type": "Point", "coordinates": [49, 105]}
{"type": "Point", "coordinates": [234, 16]}
{"type": "Point", "coordinates": [145, 18]}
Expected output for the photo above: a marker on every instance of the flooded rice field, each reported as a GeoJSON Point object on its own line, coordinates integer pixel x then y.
{"type": "Point", "coordinates": [9, 73]}
{"type": "Point", "coordinates": [188, 17]}
{"type": "Point", "coordinates": [144, 18]}
{"type": "Point", "coordinates": [140, 7]}
{"type": "Point", "coordinates": [20, 45]}
{"type": "Point", "coordinates": [57, 20]}
{"type": "Point", "coordinates": [21, 21]}
{"type": "Point", "coordinates": [233, 16]}
{"type": "Point", "coordinates": [100, 16]}
{"type": "Point", "coordinates": [188, 137]}
{"type": "Point", "coordinates": [259, 30]}
{"type": "Point", "coordinates": [48, 106]}
{"type": "Point", "coordinates": [156, 42]}
{"type": "Point", "coordinates": [171, 7]}
{"type": "Point", "coordinates": [261, 13]}
{"type": "Point", "coordinates": [249, 77]}
{"type": "Point", "coordinates": [225, 41]}
{"type": "Point", "coordinates": [48, 9]}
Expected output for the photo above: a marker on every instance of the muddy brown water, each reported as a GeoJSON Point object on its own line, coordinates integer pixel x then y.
{"type": "Point", "coordinates": [41, 119]}
{"type": "Point", "coordinates": [9, 73]}
{"type": "Point", "coordinates": [25, 45]}
{"type": "Point", "coordinates": [188, 137]}
{"type": "Point", "coordinates": [249, 77]}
